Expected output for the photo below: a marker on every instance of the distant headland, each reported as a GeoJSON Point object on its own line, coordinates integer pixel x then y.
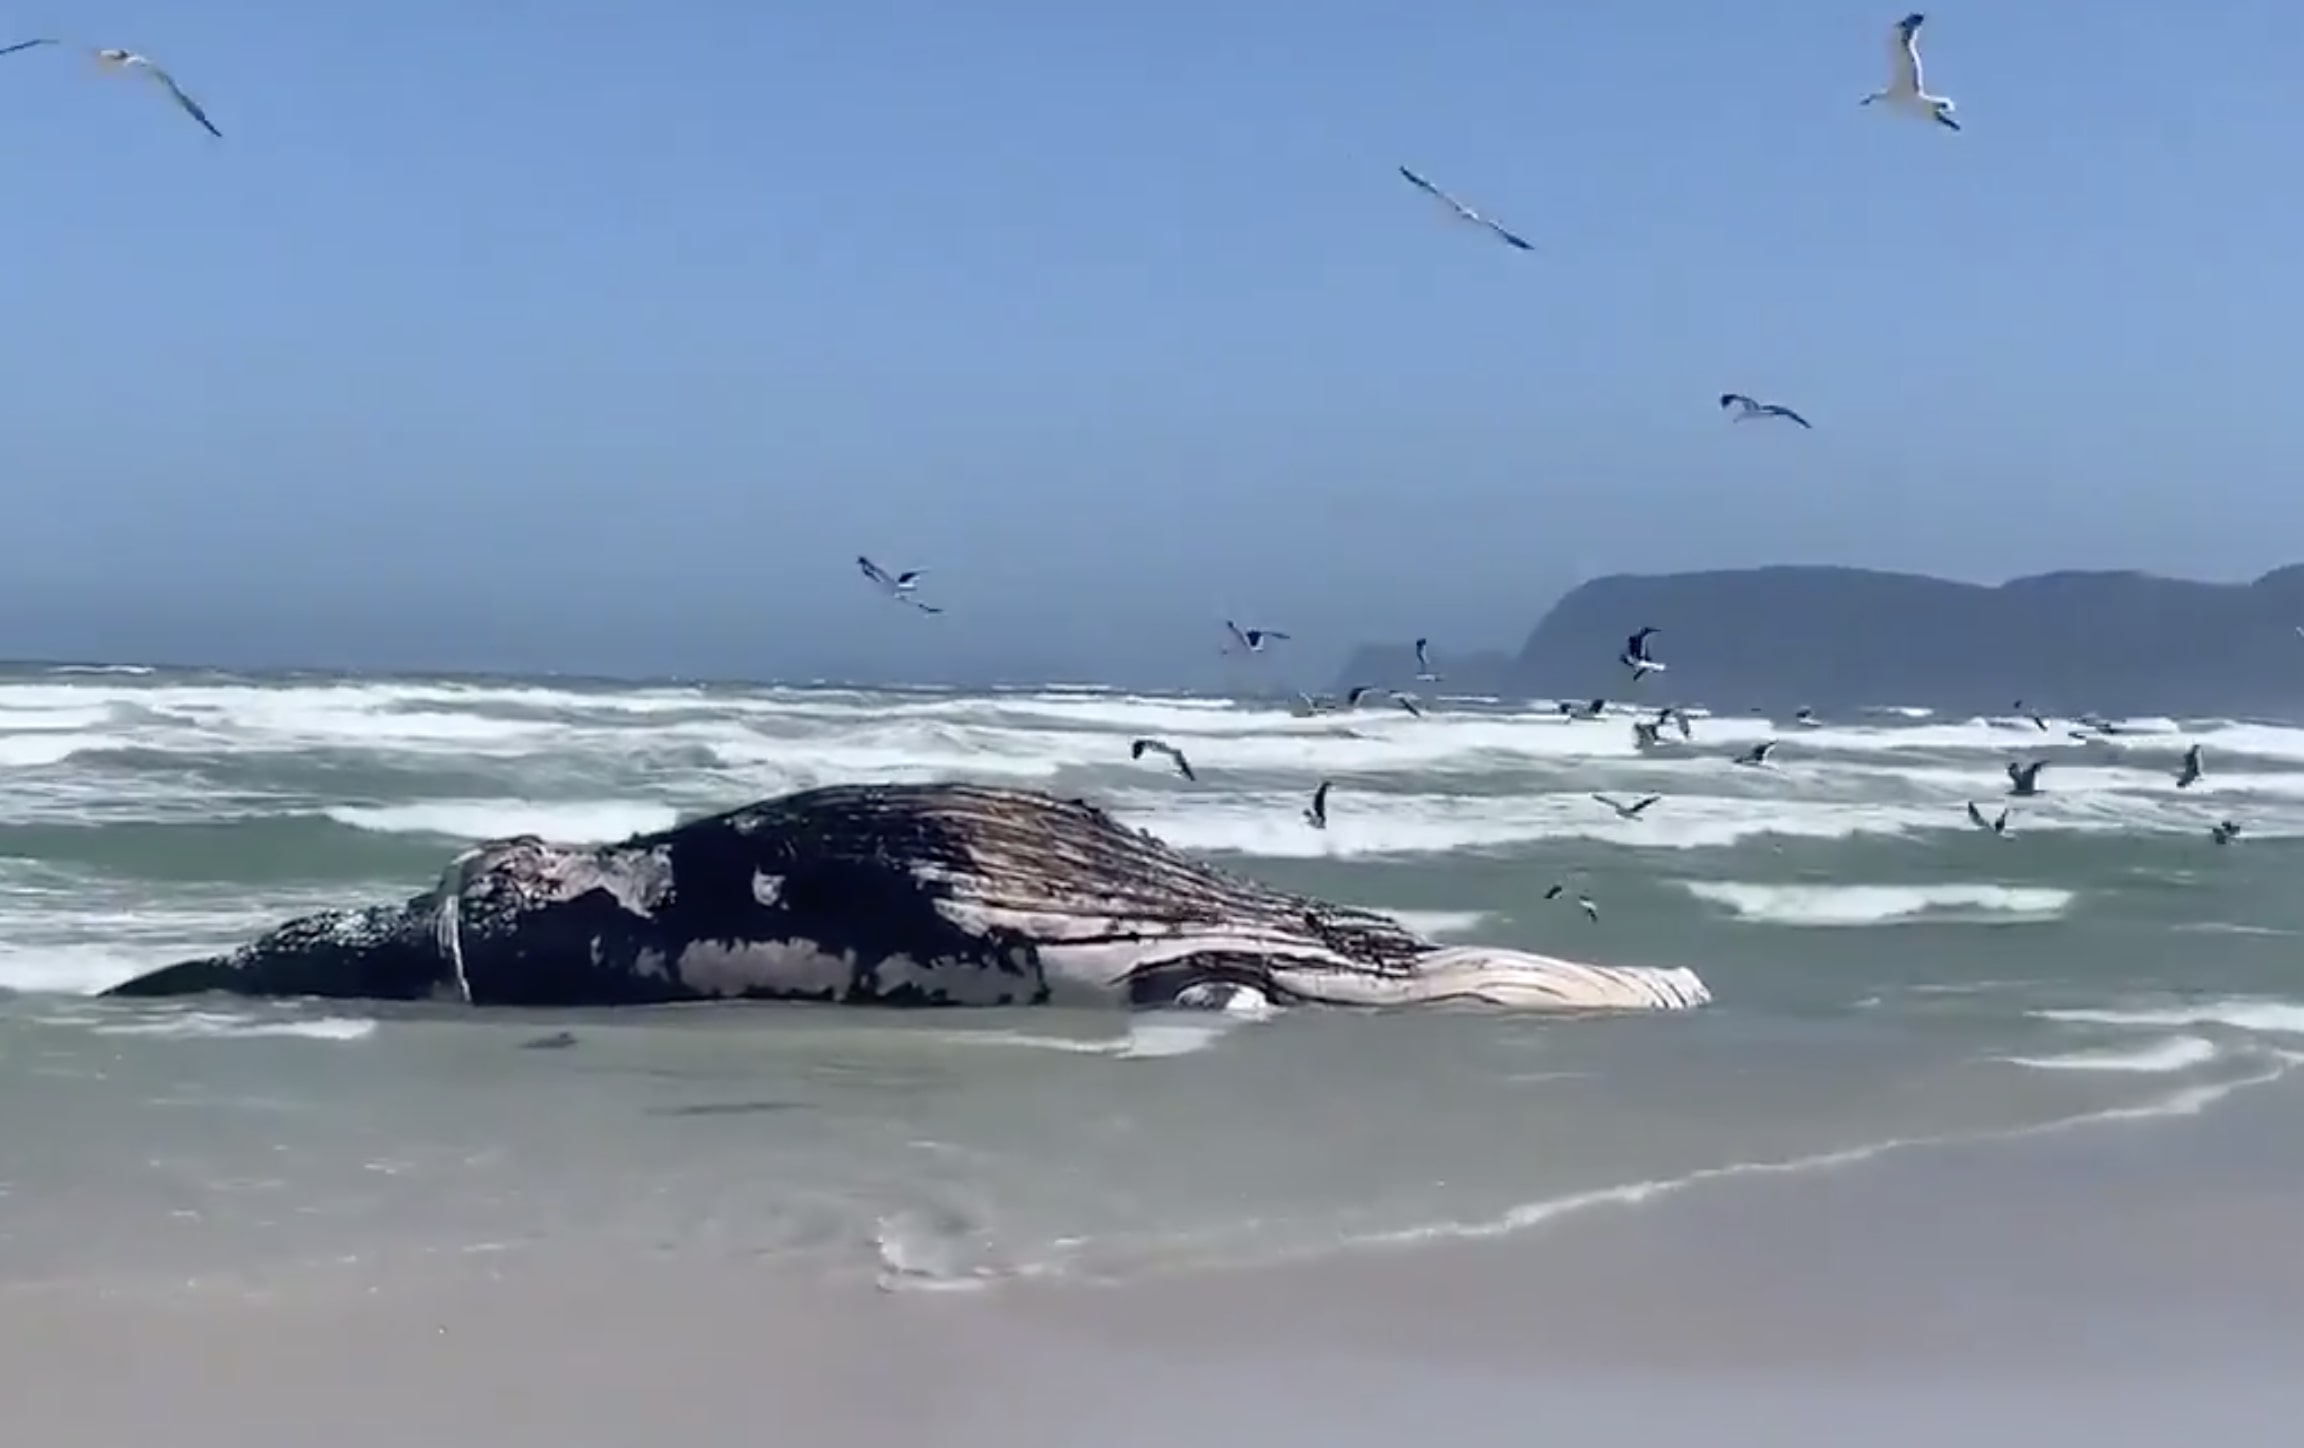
{"type": "Point", "coordinates": [1789, 636]}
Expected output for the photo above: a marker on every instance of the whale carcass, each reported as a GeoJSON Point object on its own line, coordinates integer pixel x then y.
{"type": "Point", "coordinates": [929, 894]}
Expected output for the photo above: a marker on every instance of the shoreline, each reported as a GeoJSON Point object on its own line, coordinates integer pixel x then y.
{"type": "Point", "coordinates": [2140, 1272]}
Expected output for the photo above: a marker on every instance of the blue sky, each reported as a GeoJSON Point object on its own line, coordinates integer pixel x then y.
{"type": "Point", "coordinates": [602, 335]}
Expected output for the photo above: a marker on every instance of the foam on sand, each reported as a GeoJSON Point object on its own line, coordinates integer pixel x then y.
{"type": "Point", "coordinates": [2165, 1056]}
{"type": "Point", "coordinates": [2267, 1017]}
{"type": "Point", "coordinates": [2185, 1101]}
{"type": "Point", "coordinates": [225, 1025]}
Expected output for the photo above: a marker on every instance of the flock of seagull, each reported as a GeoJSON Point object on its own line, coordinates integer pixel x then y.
{"type": "Point", "coordinates": [1905, 94]}
{"type": "Point", "coordinates": [113, 58]}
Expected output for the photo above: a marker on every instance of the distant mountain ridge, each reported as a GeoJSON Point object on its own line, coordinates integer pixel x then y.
{"type": "Point", "coordinates": [1786, 636]}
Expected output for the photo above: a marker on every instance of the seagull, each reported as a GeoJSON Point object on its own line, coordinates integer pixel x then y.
{"type": "Point", "coordinates": [2037, 722]}
{"type": "Point", "coordinates": [1628, 811]}
{"type": "Point", "coordinates": [1408, 702]}
{"type": "Point", "coordinates": [1466, 212]}
{"type": "Point", "coordinates": [2024, 779]}
{"type": "Point", "coordinates": [1647, 733]}
{"type": "Point", "coordinates": [1757, 755]}
{"type": "Point", "coordinates": [1997, 826]}
{"type": "Point", "coordinates": [898, 587]}
{"type": "Point", "coordinates": [1747, 409]}
{"type": "Point", "coordinates": [1356, 693]}
{"type": "Point", "coordinates": [1904, 85]}
{"type": "Point", "coordinates": [1635, 655]}
{"type": "Point", "coordinates": [1252, 639]}
{"type": "Point", "coordinates": [1806, 719]}
{"type": "Point", "coordinates": [2187, 776]}
{"type": "Point", "coordinates": [130, 60]}
{"type": "Point", "coordinates": [1424, 670]}
{"type": "Point", "coordinates": [1316, 813]}
{"type": "Point", "coordinates": [2224, 832]}
{"type": "Point", "coordinates": [1583, 901]}
{"type": "Point", "coordinates": [1676, 717]}
{"type": "Point", "coordinates": [23, 45]}
{"type": "Point", "coordinates": [1138, 749]}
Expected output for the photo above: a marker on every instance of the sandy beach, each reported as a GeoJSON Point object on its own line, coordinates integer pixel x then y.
{"type": "Point", "coordinates": [2110, 1283]}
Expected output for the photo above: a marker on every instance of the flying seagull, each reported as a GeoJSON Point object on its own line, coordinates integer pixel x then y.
{"type": "Point", "coordinates": [898, 586]}
{"type": "Point", "coordinates": [1466, 212]}
{"type": "Point", "coordinates": [1757, 755]}
{"type": "Point", "coordinates": [2024, 779]}
{"type": "Point", "coordinates": [2189, 774]}
{"type": "Point", "coordinates": [1675, 717]}
{"type": "Point", "coordinates": [1747, 409]}
{"type": "Point", "coordinates": [1138, 750]}
{"type": "Point", "coordinates": [23, 45]}
{"type": "Point", "coordinates": [2031, 714]}
{"type": "Point", "coordinates": [1356, 693]}
{"type": "Point", "coordinates": [130, 60]}
{"type": "Point", "coordinates": [1252, 639]}
{"type": "Point", "coordinates": [1997, 826]}
{"type": "Point", "coordinates": [1905, 90]}
{"type": "Point", "coordinates": [1628, 811]}
{"type": "Point", "coordinates": [1583, 901]}
{"type": "Point", "coordinates": [1407, 701]}
{"type": "Point", "coordinates": [2224, 832]}
{"type": "Point", "coordinates": [1424, 671]}
{"type": "Point", "coordinates": [1635, 656]}
{"type": "Point", "coordinates": [1316, 813]}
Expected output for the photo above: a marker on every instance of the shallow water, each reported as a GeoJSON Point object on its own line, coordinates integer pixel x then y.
{"type": "Point", "coordinates": [1884, 973]}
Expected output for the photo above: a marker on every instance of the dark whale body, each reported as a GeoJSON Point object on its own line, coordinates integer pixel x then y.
{"type": "Point", "coordinates": [905, 895]}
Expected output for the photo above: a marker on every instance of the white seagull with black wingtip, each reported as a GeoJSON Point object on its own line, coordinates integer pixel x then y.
{"type": "Point", "coordinates": [1998, 826]}
{"type": "Point", "coordinates": [1583, 902]}
{"type": "Point", "coordinates": [1316, 813]}
{"type": "Point", "coordinates": [1635, 656]}
{"type": "Point", "coordinates": [897, 586]}
{"type": "Point", "coordinates": [1252, 640]}
{"type": "Point", "coordinates": [130, 60]}
{"type": "Point", "coordinates": [1748, 409]}
{"type": "Point", "coordinates": [1425, 673]}
{"type": "Point", "coordinates": [1628, 811]}
{"type": "Point", "coordinates": [2189, 774]}
{"type": "Point", "coordinates": [1463, 211]}
{"type": "Point", "coordinates": [1905, 92]}
{"type": "Point", "coordinates": [1143, 747]}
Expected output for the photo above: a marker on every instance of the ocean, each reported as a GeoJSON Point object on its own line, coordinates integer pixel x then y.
{"type": "Point", "coordinates": [1888, 978]}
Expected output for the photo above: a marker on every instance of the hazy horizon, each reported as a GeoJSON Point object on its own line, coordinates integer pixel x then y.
{"type": "Point", "coordinates": [557, 352]}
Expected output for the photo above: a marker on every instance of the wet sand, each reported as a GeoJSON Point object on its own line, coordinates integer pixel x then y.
{"type": "Point", "coordinates": [2113, 1284]}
